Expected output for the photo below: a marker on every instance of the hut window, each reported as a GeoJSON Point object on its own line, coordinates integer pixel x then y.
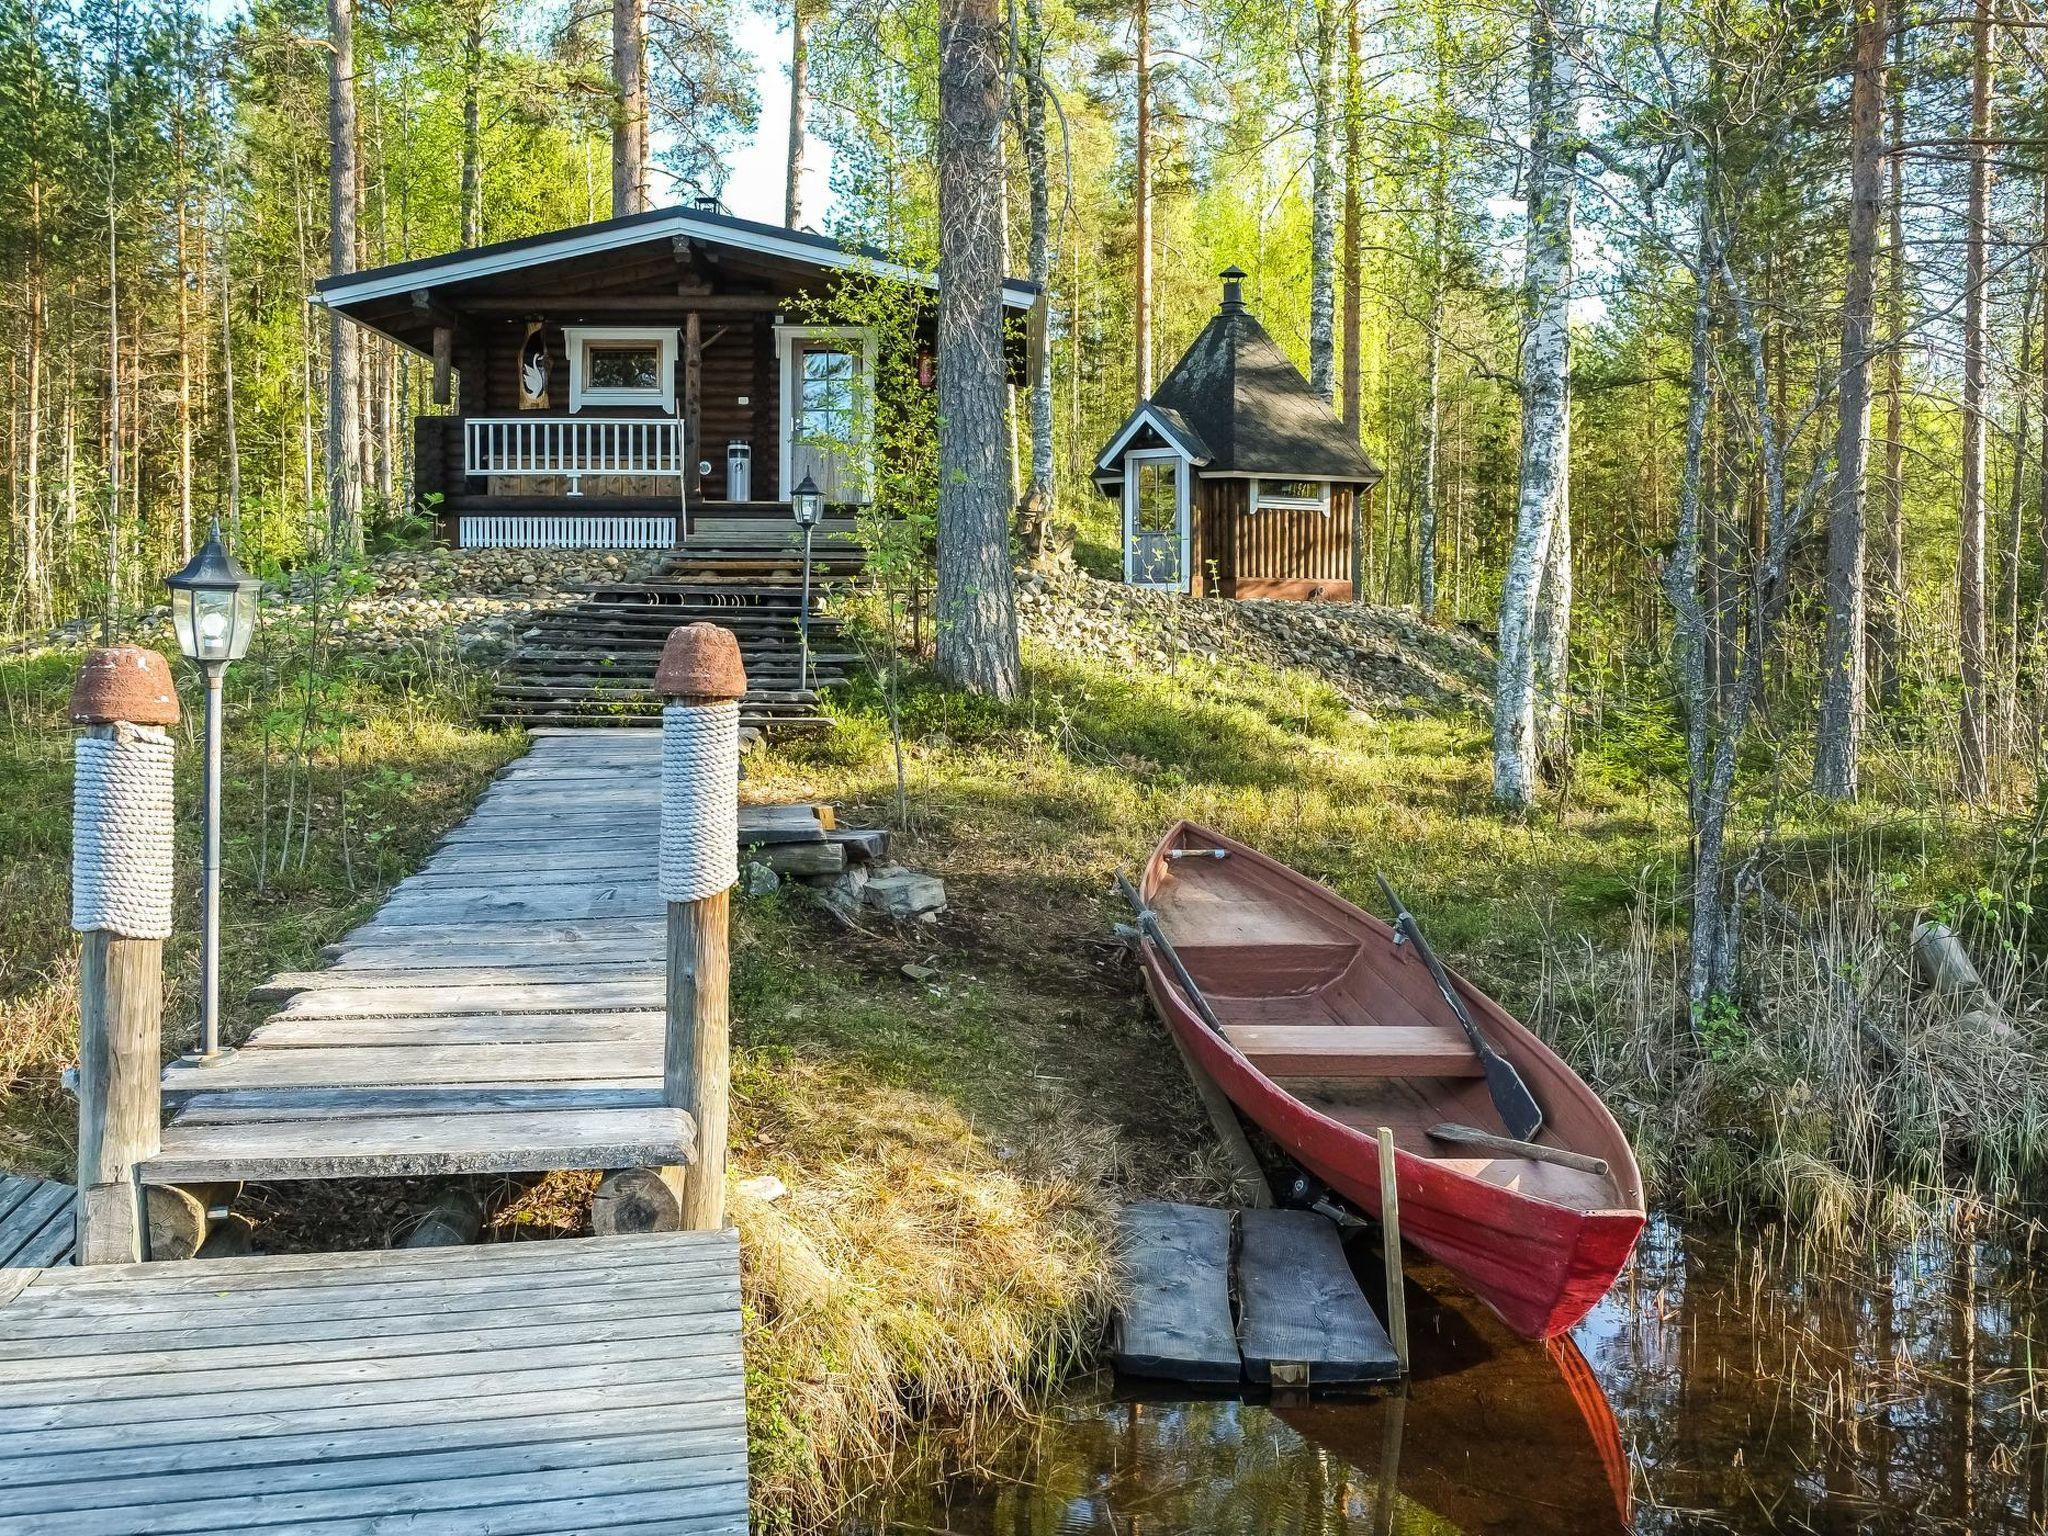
{"type": "Point", "coordinates": [1293, 495]}
{"type": "Point", "coordinates": [621, 365]}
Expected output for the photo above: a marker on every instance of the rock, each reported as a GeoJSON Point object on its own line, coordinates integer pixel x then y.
{"type": "Point", "coordinates": [757, 879]}
{"type": "Point", "coordinates": [921, 972]}
{"type": "Point", "coordinates": [842, 893]}
{"type": "Point", "coordinates": [764, 1187]}
{"type": "Point", "coordinates": [903, 893]}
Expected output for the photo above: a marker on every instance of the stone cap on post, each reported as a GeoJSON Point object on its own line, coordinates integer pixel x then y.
{"type": "Point", "coordinates": [127, 683]}
{"type": "Point", "coordinates": [701, 662]}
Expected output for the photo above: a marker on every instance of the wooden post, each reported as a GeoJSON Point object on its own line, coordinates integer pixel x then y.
{"type": "Point", "coordinates": [121, 902]}
{"type": "Point", "coordinates": [444, 364]}
{"type": "Point", "coordinates": [1390, 1241]}
{"type": "Point", "coordinates": [701, 681]}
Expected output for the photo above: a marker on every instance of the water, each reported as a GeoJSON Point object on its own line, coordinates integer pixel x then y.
{"type": "Point", "coordinates": [1722, 1386]}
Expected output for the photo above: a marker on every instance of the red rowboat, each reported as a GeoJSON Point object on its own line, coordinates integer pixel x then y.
{"type": "Point", "coordinates": [1330, 1031]}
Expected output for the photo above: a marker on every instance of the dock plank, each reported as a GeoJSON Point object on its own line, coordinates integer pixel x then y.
{"type": "Point", "coordinates": [623, 1409]}
{"type": "Point", "coordinates": [1173, 1319]}
{"type": "Point", "coordinates": [1304, 1321]}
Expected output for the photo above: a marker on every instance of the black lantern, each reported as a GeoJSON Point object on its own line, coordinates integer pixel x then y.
{"type": "Point", "coordinates": [807, 503]}
{"type": "Point", "coordinates": [213, 605]}
{"type": "Point", "coordinates": [213, 608]}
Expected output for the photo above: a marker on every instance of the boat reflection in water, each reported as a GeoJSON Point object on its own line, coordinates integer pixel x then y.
{"type": "Point", "coordinates": [1496, 1434]}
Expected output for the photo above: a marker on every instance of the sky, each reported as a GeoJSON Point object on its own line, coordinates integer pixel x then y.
{"type": "Point", "coordinates": [753, 189]}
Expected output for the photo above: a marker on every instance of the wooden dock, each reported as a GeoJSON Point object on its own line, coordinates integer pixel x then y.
{"type": "Point", "coordinates": [541, 1387]}
{"type": "Point", "coordinates": [502, 1012]}
{"type": "Point", "coordinates": [37, 1225]}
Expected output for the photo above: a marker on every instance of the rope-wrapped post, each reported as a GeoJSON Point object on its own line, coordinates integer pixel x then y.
{"type": "Point", "coordinates": [121, 834]}
{"type": "Point", "coordinates": [701, 681]}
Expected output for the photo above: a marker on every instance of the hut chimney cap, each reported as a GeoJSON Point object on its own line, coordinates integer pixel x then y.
{"type": "Point", "coordinates": [702, 662]}
{"type": "Point", "coordinates": [1233, 289]}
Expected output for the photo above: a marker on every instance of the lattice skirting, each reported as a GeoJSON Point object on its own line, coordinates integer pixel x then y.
{"type": "Point", "coordinates": [567, 533]}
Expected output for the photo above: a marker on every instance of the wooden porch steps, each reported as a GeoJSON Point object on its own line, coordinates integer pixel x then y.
{"type": "Point", "coordinates": [593, 662]}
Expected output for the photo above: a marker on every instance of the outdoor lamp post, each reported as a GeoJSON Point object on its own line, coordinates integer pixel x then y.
{"type": "Point", "coordinates": [806, 505]}
{"type": "Point", "coordinates": [213, 608]}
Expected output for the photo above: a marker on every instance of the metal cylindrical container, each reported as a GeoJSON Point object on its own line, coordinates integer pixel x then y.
{"type": "Point", "coordinates": [739, 470]}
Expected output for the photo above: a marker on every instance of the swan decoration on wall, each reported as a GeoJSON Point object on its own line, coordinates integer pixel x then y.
{"type": "Point", "coordinates": [533, 369]}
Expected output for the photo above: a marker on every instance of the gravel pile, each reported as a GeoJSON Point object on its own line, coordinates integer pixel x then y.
{"type": "Point", "coordinates": [1375, 657]}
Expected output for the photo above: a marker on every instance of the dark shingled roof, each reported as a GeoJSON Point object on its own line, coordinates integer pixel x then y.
{"type": "Point", "coordinates": [1253, 409]}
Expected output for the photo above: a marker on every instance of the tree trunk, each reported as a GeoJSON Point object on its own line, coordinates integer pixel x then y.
{"type": "Point", "coordinates": [472, 131]}
{"type": "Point", "coordinates": [344, 367]}
{"type": "Point", "coordinates": [1038, 496]}
{"type": "Point", "coordinates": [1432, 433]}
{"type": "Point", "coordinates": [977, 619]}
{"type": "Point", "coordinates": [799, 106]}
{"type": "Point", "coordinates": [629, 125]}
{"type": "Point", "coordinates": [1890, 626]}
{"type": "Point", "coordinates": [1970, 554]}
{"type": "Point", "coordinates": [1553, 640]}
{"type": "Point", "coordinates": [1546, 391]}
{"type": "Point", "coordinates": [231, 448]}
{"type": "Point", "coordinates": [1842, 682]}
{"type": "Point", "coordinates": [1353, 386]}
{"type": "Point", "coordinates": [1141, 322]}
{"type": "Point", "coordinates": [1322, 243]}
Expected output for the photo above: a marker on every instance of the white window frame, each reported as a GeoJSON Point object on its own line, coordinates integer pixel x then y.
{"type": "Point", "coordinates": [1262, 503]}
{"type": "Point", "coordinates": [786, 339]}
{"type": "Point", "coordinates": [1183, 493]}
{"type": "Point", "coordinates": [662, 338]}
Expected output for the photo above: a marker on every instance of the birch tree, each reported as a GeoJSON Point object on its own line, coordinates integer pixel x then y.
{"type": "Point", "coordinates": [344, 369]}
{"type": "Point", "coordinates": [1031, 96]}
{"type": "Point", "coordinates": [1551, 172]}
{"type": "Point", "coordinates": [1974, 741]}
{"type": "Point", "coordinates": [1326, 104]}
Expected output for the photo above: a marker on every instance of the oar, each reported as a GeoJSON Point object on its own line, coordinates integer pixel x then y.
{"type": "Point", "coordinates": [1506, 1146]}
{"type": "Point", "coordinates": [1148, 925]}
{"type": "Point", "coordinates": [1513, 1101]}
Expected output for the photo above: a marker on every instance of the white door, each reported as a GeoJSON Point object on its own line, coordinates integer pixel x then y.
{"type": "Point", "coordinates": [826, 433]}
{"type": "Point", "coordinates": [1156, 520]}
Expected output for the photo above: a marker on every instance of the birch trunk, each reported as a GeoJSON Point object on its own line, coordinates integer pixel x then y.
{"type": "Point", "coordinates": [1038, 496]}
{"type": "Point", "coordinates": [1322, 249]}
{"type": "Point", "coordinates": [799, 107]}
{"type": "Point", "coordinates": [1842, 682]}
{"type": "Point", "coordinates": [1553, 640]}
{"type": "Point", "coordinates": [472, 130]}
{"type": "Point", "coordinates": [977, 621]}
{"type": "Point", "coordinates": [1432, 436]}
{"type": "Point", "coordinates": [344, 364]}
{"type": "Point", "coordinates": [1354, 236]}
{"type": "Point", "coordinates": [1546, 392]}
{"type": "Point", "coordinates": [1970, 553]}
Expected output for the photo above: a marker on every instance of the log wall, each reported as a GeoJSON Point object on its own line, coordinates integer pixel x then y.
{"type": "Point", "coordinates": [1290, 553]}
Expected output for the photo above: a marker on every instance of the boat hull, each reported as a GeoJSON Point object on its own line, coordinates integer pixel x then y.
{"type": "Point", "coordinates": [1539, 1264]}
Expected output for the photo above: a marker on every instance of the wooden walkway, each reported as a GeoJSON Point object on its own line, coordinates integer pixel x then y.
{"type": "Point", "coordinates": [502, 1012]}
{"type": "Point", "coordinates": [37, 1226]}
{"type": "Point", "coordinates": [580, 1385]}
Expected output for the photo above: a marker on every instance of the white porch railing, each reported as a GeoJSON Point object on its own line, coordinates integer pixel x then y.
{"type": "Point", "coordinates": [572, 447]}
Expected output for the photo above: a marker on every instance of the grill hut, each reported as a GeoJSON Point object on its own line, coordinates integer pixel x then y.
{"type": "Point", "coordinates": [1236, 479]}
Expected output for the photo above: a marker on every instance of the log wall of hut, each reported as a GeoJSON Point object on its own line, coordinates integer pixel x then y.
{"type": "Point", "coordinates": [1280, 552]}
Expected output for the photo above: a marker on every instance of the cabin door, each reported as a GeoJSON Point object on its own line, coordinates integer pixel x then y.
{"type": "Point", "coordinates": [1156, 520]}
{"type": "Point", "coordinates": [826, 432]}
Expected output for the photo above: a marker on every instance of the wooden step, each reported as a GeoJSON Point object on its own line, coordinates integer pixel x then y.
{"type": "Point", "coordinates": [369, 1145]}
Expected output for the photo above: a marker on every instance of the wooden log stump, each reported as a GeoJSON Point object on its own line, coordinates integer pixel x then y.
{"type": "Point", "coordinates": [639, 1200]}
{"type": "Point", "coordinates": [180, 1219]}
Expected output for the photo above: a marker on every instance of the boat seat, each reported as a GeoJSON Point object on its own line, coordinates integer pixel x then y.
{"type": "Point", "coordinates": [1356, 1050]}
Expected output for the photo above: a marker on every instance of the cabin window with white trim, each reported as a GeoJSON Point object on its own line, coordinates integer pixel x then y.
{"type": "Point", "coordinates": [621, 365]}
{"type": "Point", "coordinates": [1290, 495]}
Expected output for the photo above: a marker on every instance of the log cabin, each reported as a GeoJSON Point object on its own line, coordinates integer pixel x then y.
{"type": "Point", "coordinates": [644, 382]}
{"type": "Point", "coordinates": [1235, 478]}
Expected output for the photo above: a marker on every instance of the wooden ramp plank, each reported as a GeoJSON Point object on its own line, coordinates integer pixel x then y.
{"type": "Point", "coordinates": [624, 1409]}
{"type": "Point", "coordinates": [1305, 1322]}
{"type": "Point", "coordinates": [37, 1224]}
{"type": "Point", "coordinates": [393, 1146]}
{"type": "Point", "coordinates": [1174, 1316]}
